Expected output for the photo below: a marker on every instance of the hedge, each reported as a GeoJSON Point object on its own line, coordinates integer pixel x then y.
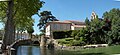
{"type": "Point", "coordinates": [61, 34]}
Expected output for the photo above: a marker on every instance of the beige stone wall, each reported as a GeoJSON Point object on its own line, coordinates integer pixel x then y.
{"type": "Point", "coordinates": [72, 28]}
{"type": "Point", "coordinates": [47, 32]}
{"type": "Point", "coordinates": [78, 28]}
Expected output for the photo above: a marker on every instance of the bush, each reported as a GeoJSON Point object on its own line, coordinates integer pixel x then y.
{"type": "Point", "coordinates": [68, 33]}
{"type": "Point", "coordinates": [58, 34]}
{"type": "Point", "coordinates": [62, 41]}
{"type": "Point", "coordinates": [77, 38]}
{"type": "Point", "coordinates": [71, 42]}
{"type": "Point", "coordinates": [68, 39]}
{"type": "Point", "coordinates": [61, 34]}
{"type": "Point", "coordinates": [75, 43]}
{"type": "Point", "coordinates": [82, 43]}
{"type": "Point", "coordinates": [74, 33]}
{"type": "Point", "coordinates": [68, 45]}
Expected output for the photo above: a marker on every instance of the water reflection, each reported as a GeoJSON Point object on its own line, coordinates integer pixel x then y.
{"type": "Point", "coordinates": [36, 50]}
{"type": "Point", "coordinates": [28, 50]}
{"type": "Point", "coordinates": [43, 51]}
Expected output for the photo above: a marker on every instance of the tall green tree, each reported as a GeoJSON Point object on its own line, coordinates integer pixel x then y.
{"type": "Point", "coordinates": [95, 31]}
{"type": "Point", "coordinates": [46, 16]}
{"type": "Point", "coordinates": [87, 22]}
{"type": "Point", "coordinates": [21, 9]}
{"type": "Point", "coordinates": [114, 17]}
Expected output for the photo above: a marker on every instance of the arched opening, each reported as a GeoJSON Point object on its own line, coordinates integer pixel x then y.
{"type": "Point", "coordinates": [36, 43]}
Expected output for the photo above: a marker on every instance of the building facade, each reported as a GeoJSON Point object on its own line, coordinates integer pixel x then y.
{"type": "Point", "coordinates": [57, 26]}
{"type": "Point", "coordinates": [76, 25]}
{"type": "Point", "coordinates": [62, 26]}
{"type": "Point", "coordinates": [21, 36]}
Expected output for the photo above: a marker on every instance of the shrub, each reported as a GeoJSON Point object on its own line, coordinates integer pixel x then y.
{"type": "Point", "coordinates": [68, 39]}
{"type": "Point", "coordinates": [77, 43]}
{"type": "Point", "coordinates": [74, 43]}
{"type": "Point", "coordinates": [58, 34]}
{"type": "Point", "coordinates": [77, 38]}
{"type": "Point", "coordinates": [68, 45]}
{"type": "Point", "coordinates": [82, 43]}
{"type": "Point", "coordinates": [62, 41]}
{"type": "Point", "coordinates": [68, 33]}
{"type": "Point", "coordinates": [61, 34]}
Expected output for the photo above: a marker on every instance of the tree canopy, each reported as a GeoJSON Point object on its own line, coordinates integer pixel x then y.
{"type": "Point", "coordinates": [46, 16]}
{"type": "Point", "coordinates": [22, 10]}
{"type": "Point", "coordinates": [113, 17]}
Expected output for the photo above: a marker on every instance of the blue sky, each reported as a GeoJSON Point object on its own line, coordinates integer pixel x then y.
{"type": "Point", "coordinates": [75, 9]}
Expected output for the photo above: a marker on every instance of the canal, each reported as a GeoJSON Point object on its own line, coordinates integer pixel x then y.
{"type": "Point", "coordinates": [36, 50]}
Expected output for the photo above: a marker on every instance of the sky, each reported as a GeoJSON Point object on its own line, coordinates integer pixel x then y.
{"type": "Point", "coordinates": [75, 9]}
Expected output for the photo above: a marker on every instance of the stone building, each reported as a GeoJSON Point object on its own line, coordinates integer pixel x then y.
{"type": "Point", "coordinates": [62, 26]}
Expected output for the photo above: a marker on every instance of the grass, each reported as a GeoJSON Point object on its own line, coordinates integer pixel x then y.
{"type": "Point", "coordinates": [94, 51]}
{"type": "Point", "coordinates": [107, 50]}
{"type": "Point", "coordinates": [64, 40]}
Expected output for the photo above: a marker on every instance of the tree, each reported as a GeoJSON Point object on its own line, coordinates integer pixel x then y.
{"type": "Point", "coordinates": [94, 31]}
{"type": "Point", "coordinates": [46, 17]}
{"type": "Point", "coordinates": [22, 9]}
{"type": "Point", "coordinates": [74, 33]}
{"type": "Point", "coordinates": [23, 25]}
{"type": "Point", "coordinates": [1, 33]}
{"type": "Point", "coordinates": [30, 30]}
{"type": "Point", "coordinates": [87, 22]}
{"type": "Point", "coordinates": [114, 33]}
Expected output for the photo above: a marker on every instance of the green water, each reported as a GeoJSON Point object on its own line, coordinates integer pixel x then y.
{"type": "Point", "coordinates": [36, 50]}
{"type": "Point", "coordinates": [28, 50]}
